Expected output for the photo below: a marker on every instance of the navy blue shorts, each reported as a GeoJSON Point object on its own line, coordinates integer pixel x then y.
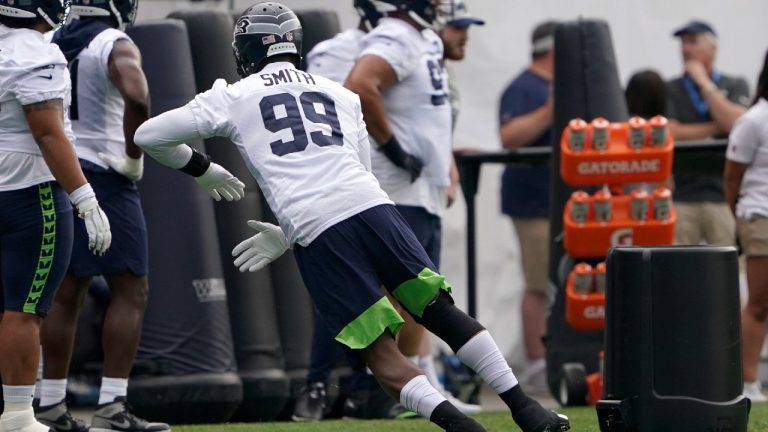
{"type": "Point", "coordinates": [120, 200]}
{"type": "Point", "coordinates": [345, 267]}
{"type": "Point", "coordinates": [35, 245]}
{"type": "Point", "coordinates": [427, 227]}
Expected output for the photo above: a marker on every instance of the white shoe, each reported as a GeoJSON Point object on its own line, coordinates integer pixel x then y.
{"type": "Point", "coordinates": [466, 408]}
{"type": "Point", "coordinates": [21, 421]}
{"type": "Point", "coordinates": [754, 392]}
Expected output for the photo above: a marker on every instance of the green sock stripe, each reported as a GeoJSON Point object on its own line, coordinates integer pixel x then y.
{"type": "Point", "coordinates": [420, 291]}
{"type": "Point", "coordinates": [47, 247]}
{"type": "Point", "coordinates": [369, 325]}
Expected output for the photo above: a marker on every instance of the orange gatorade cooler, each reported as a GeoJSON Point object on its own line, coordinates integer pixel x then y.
{"type": "Point", "coordinates": [659, 131]}
{"type": "Point", "coordinates": [600, 134]}
{"type": "Point", "coordinates": [636, 135]}
{"type": "Point", "coordinates": [579, 206]}
{"type": "Point", "coordinates": [662, 203]}
{"type": "Point", "coordinates": [600, 277]}
{"type": "Point", "coordinates": [582, 278]}
{"type": "Point", "coordinates": [638, 207]}
{"type": "Point", "coordinates": [577, 134]}
{"type": "Point", "coordinates": [602, 205]}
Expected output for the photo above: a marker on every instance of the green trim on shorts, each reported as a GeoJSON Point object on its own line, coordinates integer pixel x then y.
{"type": "Point", "coordinates": [420, 291]}
{"type": "Point", "coordinates": [47, 247]}
{"type": "Point", "coordinates": [369, 325]}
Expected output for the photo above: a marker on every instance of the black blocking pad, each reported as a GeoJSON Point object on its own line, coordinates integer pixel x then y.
{"type": "Point", "coordinates": [185, 367]}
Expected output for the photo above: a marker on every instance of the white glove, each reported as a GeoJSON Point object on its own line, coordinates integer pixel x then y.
{"type": "Point", "coordinates": [221, 183]}
{"type": "Point", "coordinates": [127, 166]}
{"type": "Point", "coordinates": [261, 249]}
{"type": "Point", "coordinates": [96, 222]}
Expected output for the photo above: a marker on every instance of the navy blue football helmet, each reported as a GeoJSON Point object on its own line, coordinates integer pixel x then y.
{"type": "Point", "coordinates": [422, 11]}
{"type": "Point", "coordinates": [122, 11]}
{"type": "Point", "coordinates": [265, 30]}
{"type": "Point", "coordinates": [54, 12]}
{"type": "Point", "coordinates": [368, 13]}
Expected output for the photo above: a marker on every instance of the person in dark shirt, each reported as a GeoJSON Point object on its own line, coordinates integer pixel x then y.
{"type": "Point", "coordinates": [525, 119]}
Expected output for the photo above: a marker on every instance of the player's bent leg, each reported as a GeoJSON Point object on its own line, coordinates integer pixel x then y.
{"type": "Point", "coordinates": [409, 339]}
{"type": "Point", "coordinates": [477, 349]}
{"type": "Point", "coordinates": [404, 381]}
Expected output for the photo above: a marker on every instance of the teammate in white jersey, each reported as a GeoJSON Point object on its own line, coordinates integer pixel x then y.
{"type": "Point", "coordinates": [38, 168]}
{"type": "Point", "coordinates": [304, 140]}
{"type": "Point", "coordinates": [110, 99]}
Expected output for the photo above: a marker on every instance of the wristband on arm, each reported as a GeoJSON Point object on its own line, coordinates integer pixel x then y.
{"type": "Point", "coordinates": [198, 164]}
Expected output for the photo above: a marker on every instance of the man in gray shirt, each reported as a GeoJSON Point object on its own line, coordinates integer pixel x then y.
{"type": "Point", "coordinates": [703, 103]}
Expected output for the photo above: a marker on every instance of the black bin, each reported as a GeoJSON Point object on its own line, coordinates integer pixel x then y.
{"type": "Point", "coordinates": [673, 341]}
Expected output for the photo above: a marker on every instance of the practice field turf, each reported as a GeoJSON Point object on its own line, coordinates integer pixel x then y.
{"type": "Point", "coordinates": [582, 420]}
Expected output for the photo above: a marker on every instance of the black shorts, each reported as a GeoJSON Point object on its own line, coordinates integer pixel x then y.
{"type": "Point", "coordinates": [119, 198]}
{"type": "Point", "coordinates": [35, 246]}
{"type": "Point", "coordinates": [345, 267]}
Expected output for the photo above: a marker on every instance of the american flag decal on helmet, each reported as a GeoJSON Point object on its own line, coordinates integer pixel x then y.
{"type": "Point", "coordinates": [269, 39]}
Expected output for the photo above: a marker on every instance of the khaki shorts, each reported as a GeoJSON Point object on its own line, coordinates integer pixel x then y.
{"type": "Point", "coordinates": [533, 234]}
{"type": "Point", "coordinates": [704, 222]}
{"type": "Point", "coordinates": [753, 235]}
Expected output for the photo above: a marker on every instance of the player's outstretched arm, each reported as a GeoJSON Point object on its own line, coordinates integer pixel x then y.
{"type": "Point", "coordinates": [254, 253]}
{"type": "Point", "coordinates": [163, 139]}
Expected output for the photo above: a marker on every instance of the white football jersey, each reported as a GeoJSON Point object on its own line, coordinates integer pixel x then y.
{"type": "Point", "coordinates": [418, 111]}
{"type": "Point", "coordinates": [333, 58]}
{"type": "Point", "coordinates": [303, 138]}
{"type": "Point", "coordinates": [97, 106]}
{"type": "Point", "coordinates": [31, 71]}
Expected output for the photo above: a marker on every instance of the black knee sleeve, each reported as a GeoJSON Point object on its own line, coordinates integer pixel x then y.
{"type": "Point", "coordinates": [448, 322]}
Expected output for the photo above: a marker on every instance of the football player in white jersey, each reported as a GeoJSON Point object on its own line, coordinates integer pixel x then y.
{"type": "Point", "coordinates": [39, 175]}
{"type": "Point", "coordinates": [304, 139]}
{"type": "Point", "coordinates": [110, 99]}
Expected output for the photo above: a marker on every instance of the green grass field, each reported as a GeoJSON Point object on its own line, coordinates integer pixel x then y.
{"type": "Point", "coordinates": [582, 420]}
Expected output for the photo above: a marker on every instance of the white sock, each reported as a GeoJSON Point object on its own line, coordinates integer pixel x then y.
{"type": "Point", "coordinates": [53, 391]}
{"type": "Point", "coordinates": [427, 364]}
{"type": "Point", "coordinates": [419, 396]}
{"type": "Point", "coordinates": [483, 356]}
{"type": "Point", "coordinates": [112, 388]}
{"type": "Point", "coordinates": [18, 398]}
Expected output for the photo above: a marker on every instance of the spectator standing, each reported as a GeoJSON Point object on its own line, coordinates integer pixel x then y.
{"type": "Point", "coordinates": [525, 120]}
{"type": "Point", "coordinates": [746, 193]}
{"type": "Point", "coordinates": [702, 103]}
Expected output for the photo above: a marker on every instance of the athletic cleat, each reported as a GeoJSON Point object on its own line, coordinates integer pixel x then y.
{"type": "Point", "coordinates": [59, 419]}
{"type": "Point", "coordinates": [310, 404]}
{"type": "Point", "coordinates": [534, 418]}
{"type": "Point", "coordinates": [117, 417]}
